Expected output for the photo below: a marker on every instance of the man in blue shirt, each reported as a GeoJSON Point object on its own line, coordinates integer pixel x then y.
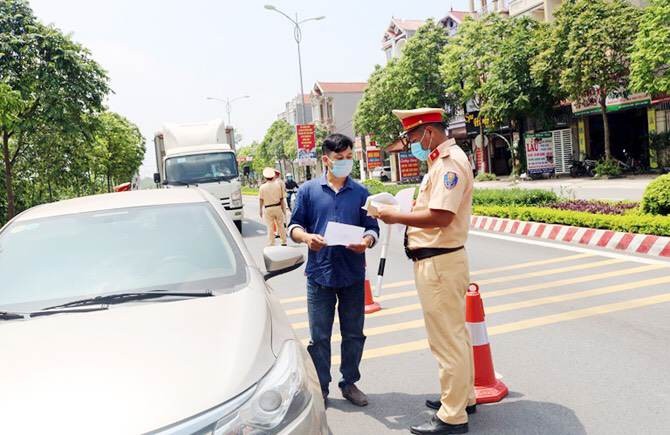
{"type": "Point", "coordinates": [335, 273]}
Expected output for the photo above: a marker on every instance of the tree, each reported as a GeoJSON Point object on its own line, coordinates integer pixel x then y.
{"type": "Point", "coordinates": [276, 142]}
{"type": "Point", "coordinates": [488, 63]}
{"type": "Point", "coordinates": [589, 52]}
{"type": "Point", "coordinates": [407, 83]}
{"type": "Point", "coordinates": [48, 80]}
{"type": "Point", "coordinates": [650, 60]}
{"type": "Point", "coordinates": [119, 149]}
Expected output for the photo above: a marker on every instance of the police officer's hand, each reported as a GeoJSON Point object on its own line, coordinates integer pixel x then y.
{"type": "Point", "coordinates": [388, 215]}
{"type": "Point", "coordinates": [315, 242]}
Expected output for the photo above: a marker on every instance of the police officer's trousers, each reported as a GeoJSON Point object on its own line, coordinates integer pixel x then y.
{"type": "Point", "coordinates": [274, 216]}
{"type": "Point", "coordinates": [442, 282]}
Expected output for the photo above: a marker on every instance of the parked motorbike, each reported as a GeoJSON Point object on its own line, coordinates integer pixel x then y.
{"type": "Point", "coordinates": [581, 168]}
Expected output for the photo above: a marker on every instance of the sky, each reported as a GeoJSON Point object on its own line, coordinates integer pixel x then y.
{"type": "Point", "coordinates": [164, 57]}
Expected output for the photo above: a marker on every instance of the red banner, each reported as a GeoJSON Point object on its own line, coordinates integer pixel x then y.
{"type": "Point", "coordinates": [306, 137]}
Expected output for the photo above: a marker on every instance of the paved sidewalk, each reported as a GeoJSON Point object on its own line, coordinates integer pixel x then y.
{"type": "Point", "coordinates": [628, 188]}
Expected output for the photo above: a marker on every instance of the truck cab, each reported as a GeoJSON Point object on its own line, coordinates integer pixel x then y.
{"type": "Point", "coordinates": [197, 155]}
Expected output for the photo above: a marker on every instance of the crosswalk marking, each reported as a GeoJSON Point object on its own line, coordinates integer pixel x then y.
{"type": "Point", "coordinates": [545, 272]}
{"type": "Point", "coordinates": [505, 328]}
{"type": "Point", "coordinates": [472, 274]}
{"type": "Point", "coordinates": [524, 304]}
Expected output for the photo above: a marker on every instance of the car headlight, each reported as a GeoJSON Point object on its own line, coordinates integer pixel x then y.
{"type": "Point", "coordinates": [280, 396]}
{"type": "Point", "coordinates": [236, 198]}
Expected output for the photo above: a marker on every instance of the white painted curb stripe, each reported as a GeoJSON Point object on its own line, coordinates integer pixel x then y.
{"type": "Point", "coordinates": [478, 333]}
{"type": "Point", "coordinates": [500, 225]}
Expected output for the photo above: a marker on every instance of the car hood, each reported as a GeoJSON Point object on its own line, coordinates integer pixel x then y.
{"type": "Point", "coordinates": [133, 368]}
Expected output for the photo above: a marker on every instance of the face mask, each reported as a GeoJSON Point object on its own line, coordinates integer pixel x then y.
{"type": "Point", "coordinates": [342, 168]}
{"type": "Point", "coordinates": [418, 151]}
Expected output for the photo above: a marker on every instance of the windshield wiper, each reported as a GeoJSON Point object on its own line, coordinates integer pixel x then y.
{"type": "Point", "coordinates": [6, 315]}
{"type": "Point", "coordinates": [120, 298]}
{"type": "Point", "coordinates": [177, 183]}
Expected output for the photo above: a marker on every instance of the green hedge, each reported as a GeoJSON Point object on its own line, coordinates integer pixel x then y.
{"type": "Point", "coordinates": [376, 186]}
{"type": "Point", "coordinates": [249, 191]}
{"type": "Point", "coordinates": [513, 197]}
{"type": "Point", "coordinates": [656, 198]}
{"type": "Point", "coordinates": [640, 224]}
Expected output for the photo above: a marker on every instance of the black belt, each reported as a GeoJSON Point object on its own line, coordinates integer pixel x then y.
{"type": "Point", "coordinates": [272, 205]}
{"type": "Point", "coordinates": [423, 253]}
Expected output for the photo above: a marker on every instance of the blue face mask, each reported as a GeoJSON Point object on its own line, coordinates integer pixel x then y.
{"type": "Point", "coordinates": [417, 149]}
{"type": "Point", "coordinates": [418, 152]}
{"type": "Point", "coordinates": [342, 168]}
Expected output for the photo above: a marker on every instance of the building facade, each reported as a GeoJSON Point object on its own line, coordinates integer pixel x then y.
{"type": "Point", "coordinates": [334, 104]}
{"type": "Point", "coordinates": [296, 109]}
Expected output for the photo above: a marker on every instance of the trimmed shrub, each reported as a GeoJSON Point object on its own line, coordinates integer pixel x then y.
{"type": "Point", "coordinates": [513, 197]}
{"type": "Point", "coordinates": [608, 168]}
{"type": "Point", "coordinates": [656, 198]}
{"type": "Point", "coordinates": [485, 176]}
{"type": "Point", "coordinates": [640, 224]}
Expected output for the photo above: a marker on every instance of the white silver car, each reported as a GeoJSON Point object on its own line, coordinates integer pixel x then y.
{"type": "Point", "coordinates": [143, 312]}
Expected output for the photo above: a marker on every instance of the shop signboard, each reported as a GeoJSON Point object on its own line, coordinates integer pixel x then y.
{"type": "Point", "coordinates": [540, 153]}
{"type": "Point", "coordinates": [616, 101]}
{"type": "Point", "coordinates": [374, 157]}
{"type": "Point", "coordinates": [410, 168]}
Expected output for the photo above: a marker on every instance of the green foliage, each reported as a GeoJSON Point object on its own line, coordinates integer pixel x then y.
{"type": "Point", "coordinates": [656, 198]}
{"type": "Point", "coordinates": [407, 83]}
{"type": "Point", "coordinates": [513, 197]}
{"type": "Point", "coordinates": [376, 186]}
{"type": "Point", "coordinates": [608, 168]}
{"type": "Point", "coordinates": [488, 62]}
{"type": "Point", "coordinates": [49, 84]}
{"type": "Point", "coordinates": [587, 53]}
{"type": "Point", "coordinates": [485, 176]}
{"type": "Point", "coordinates": [640, 224]}
{"type": "Point", "coordinates": [650, 67]}
{"type": "Point", "coordinates": [659, 145]}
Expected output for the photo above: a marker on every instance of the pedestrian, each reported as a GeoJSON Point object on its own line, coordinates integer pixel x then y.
{"type": "Point", "coordinates": [335, 274]}
{"type": "Point", "coordinates": [437, 229]}
{"type": "Point", "coordinates": [291, 189]}
{"type": "Point", "coordinates": [272, 207]}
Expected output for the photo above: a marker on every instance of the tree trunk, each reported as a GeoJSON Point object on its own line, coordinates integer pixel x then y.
{"type": "Point", "coordinates": [109, 183]}
{"type": "Point", "coordinates": [606, 125]}
{"type": "Point", "coordinates": [11, 208]}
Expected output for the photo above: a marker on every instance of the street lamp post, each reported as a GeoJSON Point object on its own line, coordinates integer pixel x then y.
{"type": "Point", "coordinates": [297, 35]}
{"type": "Point", "coordinates": [228, 103]}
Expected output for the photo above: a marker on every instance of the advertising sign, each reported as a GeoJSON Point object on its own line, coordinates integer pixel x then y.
{"type": "Point", "coordinates": [374, 158]}
{"type": "Point", "coordinates": [615, 101]}
{"type": "Point", "coordinates": [306, 134]}
{"type": "Point", "coordinates": [540, 153]}
{"type": "Point", "coordinates": [410, 167]}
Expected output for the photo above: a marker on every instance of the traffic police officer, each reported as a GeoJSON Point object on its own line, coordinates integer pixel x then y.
{"type": "Point", "coordinates": [272, 206]}
{"type": "Point", "coordinates": [437, 229]}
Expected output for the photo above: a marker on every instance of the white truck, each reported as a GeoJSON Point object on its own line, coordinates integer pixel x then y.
{"type": "Point", "coordinates": [199, 154]}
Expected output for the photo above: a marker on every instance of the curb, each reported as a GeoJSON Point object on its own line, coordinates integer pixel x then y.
{"type": "Point", "coordinates": [655, 246]}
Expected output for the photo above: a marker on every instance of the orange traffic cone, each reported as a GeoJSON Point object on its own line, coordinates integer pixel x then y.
{"type": "Point", "coordinates": [370, 305]}
{"type": "Point", "coordinates": [488, 388]}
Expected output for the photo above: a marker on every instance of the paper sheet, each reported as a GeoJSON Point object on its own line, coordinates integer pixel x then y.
{"type": "Point", "coordinates": [343, 234]}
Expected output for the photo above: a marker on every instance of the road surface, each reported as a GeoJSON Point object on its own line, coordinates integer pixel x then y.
{"type": "Point", "coordinates": [580, 338]}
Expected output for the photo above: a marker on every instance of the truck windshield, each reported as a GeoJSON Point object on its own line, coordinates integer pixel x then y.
{"type": "Point", "coordinates": [201, 168]}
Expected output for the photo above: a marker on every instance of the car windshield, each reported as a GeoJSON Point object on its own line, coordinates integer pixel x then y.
{"type": "Point", "coordinates": [201, 168]}
{"type": "Point", "coordinates": [181, 247]}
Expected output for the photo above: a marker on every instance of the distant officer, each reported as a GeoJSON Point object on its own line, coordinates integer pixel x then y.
{"type": "Point", "coordinates": [291, 189]}
{"type": "Point", "coordinates": [437, 229]}
{"type": "Point", "coordinates": [272, 206]}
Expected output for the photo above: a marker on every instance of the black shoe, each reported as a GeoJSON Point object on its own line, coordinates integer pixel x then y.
{"type": "Point", "coordinates": [436, 404]}
{"type": "Point", "coordinates": [325, 399]}
{"type": "Point", "coordinates": [437, 427]}
{"type": "Point", "coordinates": [354, 395]}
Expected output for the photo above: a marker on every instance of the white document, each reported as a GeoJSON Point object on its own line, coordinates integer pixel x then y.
{"type": "Point", "coordinates": [343, 234]}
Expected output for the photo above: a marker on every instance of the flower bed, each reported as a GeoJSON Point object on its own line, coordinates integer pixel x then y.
{"type": "Point", "coordinates": [599, 207]}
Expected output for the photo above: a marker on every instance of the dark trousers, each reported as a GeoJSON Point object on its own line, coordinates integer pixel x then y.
{"type": "Point", "coordinates": [321, 302]}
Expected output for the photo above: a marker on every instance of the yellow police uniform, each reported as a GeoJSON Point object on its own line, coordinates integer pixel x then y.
{"type": "Point", "coordinates": [442, 280]}
{"type": "Point", "coordinates": [272, 195]}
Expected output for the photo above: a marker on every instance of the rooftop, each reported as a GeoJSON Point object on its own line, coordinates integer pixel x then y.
{"type": "Point", "coordinates": [340, 87]}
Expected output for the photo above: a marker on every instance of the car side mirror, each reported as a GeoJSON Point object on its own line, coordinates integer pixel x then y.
{"type": "Point", "coordinates": [281, 259]}
{"type": "Point", "coordinates": [157, 178]}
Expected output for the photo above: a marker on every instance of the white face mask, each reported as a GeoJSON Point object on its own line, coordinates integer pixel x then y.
{"type": "Point", "coordinates": [341, 168]}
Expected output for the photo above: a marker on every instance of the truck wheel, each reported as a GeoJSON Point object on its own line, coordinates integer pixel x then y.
{"type": "Point", "coordinates": [238, 224]}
